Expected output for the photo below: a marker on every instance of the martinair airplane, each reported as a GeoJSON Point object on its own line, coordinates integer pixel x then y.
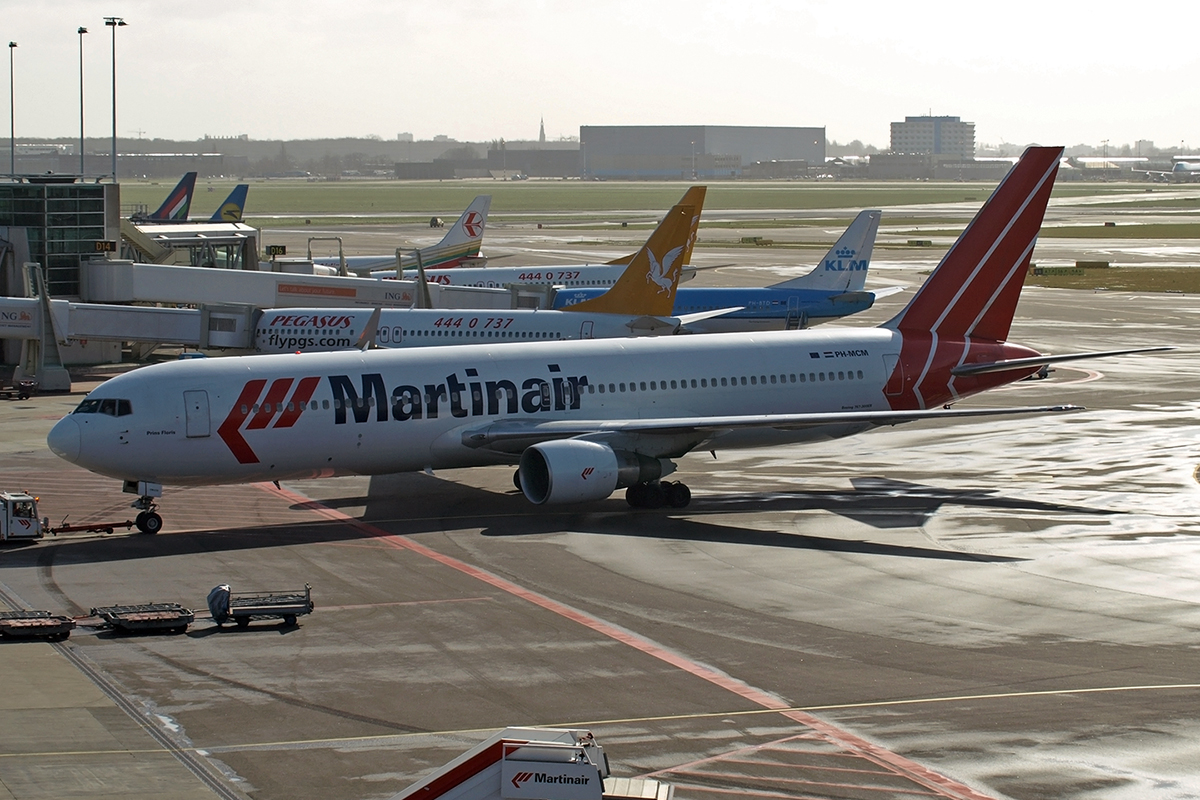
{"type": "Point", "coordinates": [461, 243]}
{"type": "Point", "coordinates": [834, 288]}
{"type": "Point", "coordinates": [579, 419]}
{"type": "Point", "coordinates": [638, 305]}
{"type": "Point", "coordinates": [567, 275]}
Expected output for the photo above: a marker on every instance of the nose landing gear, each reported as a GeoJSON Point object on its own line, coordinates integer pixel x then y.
{"type": "Point", "coordinates": [147, 520]}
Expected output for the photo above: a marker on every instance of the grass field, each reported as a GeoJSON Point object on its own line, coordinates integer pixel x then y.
{"type": "Point", "coordinates": [375, 199]}
{"type": "Point", "coordinates": [1125, 279]}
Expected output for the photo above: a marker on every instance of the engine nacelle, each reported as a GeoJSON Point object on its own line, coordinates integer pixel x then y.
{"type": "Point", "coordinates": [575, 471]}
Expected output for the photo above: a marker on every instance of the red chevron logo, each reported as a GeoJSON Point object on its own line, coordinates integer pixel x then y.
{"type": "Point", "coordinates": [275, 404]}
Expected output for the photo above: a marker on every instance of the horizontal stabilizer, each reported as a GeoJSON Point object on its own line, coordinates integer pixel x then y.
{"type": "Point", "coordinates": [853, 297]}
{"type": "Point", "coordinates": [1036, 361]}
{"type": "Point", "coordinates": [652, 324]}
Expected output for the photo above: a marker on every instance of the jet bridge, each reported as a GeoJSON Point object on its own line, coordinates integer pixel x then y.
{"type": "Point", "coordinates": [220, 245]}
{"type": "Point", "coordinates": [210, 326]}
{"type": "Point", "coordinates": [123, 281]}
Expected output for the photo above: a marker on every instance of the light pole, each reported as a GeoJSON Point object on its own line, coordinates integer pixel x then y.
{"type": "Point", "coordinates": [693, 161]}
{"type": "Point", "coordinates": [114, 23]}
{"type": "Point", "coordinates": [12, 122]}
{"type": "Point", "coordinates": [81, 32]}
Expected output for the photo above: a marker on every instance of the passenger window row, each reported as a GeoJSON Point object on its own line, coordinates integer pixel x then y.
{"type": "Point", "coordinates": [491, 334]}
{"type": "Point", "coordinates": [740, 380]}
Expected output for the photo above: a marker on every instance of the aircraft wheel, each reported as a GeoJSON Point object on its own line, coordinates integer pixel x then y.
{"type": "Point", "coordinates": [656, 495]}
{"type": "Point", "coordinates": [148, 522]}
{"type": "Point", "coordinates": [634, 495]}
{"type": "Point", "coordinates": [678, 495]}
{"type": "Point", "coordinates": [517, 479]}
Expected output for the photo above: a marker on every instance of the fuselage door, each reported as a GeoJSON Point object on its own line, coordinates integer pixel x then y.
{"type": "Point", "coordinates": [585, 330]}
{"type": "Point", "coordinates": [195, 404]}
{"type": "Point", "coordinates": [894, 371]}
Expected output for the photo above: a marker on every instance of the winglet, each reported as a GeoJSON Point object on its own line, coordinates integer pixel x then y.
{"type": "Point", "coordinates": [647, 286]}
{"type": "Point", "coordinates": [370, 331]}
{"type": "Point", "coordinates": [694, 196]}
{"type": "Point", "coordinates": [231, 210]}
{"type": "Point", "coordinates": [974, 290]}
{"type": "Point", "coordinates": [175, 207]}
{"type": "Point", "coordinates": [845, 266]}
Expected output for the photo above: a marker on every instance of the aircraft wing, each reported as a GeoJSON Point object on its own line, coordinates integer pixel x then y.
{"type": "Point", "coordinates": [514, 435]}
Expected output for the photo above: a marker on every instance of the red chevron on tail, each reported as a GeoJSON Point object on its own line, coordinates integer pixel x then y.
{"type": "Point", "coordinates": [974, 290]}
{"type": "Point", "coordinates": [963, 312]}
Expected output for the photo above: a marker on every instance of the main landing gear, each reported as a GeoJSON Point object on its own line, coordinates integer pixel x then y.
{"type": "Point", "coordinates": [657, 494]}
{"type": "Point", "coordinates": [147, 520]}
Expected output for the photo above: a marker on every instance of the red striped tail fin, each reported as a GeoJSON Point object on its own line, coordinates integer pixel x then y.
{"type": "Point", "coordinates": [974, 290]}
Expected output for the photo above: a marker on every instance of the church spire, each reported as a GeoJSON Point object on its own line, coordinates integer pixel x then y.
{"type": "Point", "coordinates": [542, 132]}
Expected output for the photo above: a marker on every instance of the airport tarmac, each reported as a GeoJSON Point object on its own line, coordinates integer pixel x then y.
{"type": "Point", "coordinates": [1006, 608]}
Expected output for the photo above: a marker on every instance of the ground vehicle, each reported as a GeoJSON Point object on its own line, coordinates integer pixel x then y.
{"type": "Point", "coordinates": [19, 517]}
{"type": "Point", "coordinates": [22, 389]}
{"type": "Point", "coordinates": [226, 605]}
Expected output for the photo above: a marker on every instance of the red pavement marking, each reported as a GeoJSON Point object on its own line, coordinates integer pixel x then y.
{"type": "Point", "coordinates": [407, 603]}
{"type": "Point", "coordinates": [742, 792]}
{"type": "Point", "coordinates": [753, 779]}
{"type": "Point", "coordinates": [946, 787]}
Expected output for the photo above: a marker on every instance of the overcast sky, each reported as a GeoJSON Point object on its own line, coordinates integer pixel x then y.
{"type": "Point", "coordinates": [1048, 72]}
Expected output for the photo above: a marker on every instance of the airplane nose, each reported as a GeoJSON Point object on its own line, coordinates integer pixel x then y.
{"type": "Point", "coordinates": [63, 439]}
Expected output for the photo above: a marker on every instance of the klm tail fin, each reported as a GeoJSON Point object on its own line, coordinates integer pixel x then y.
{"type": "Point", "coordinates": [462, 241]}
{"type": "Point", "coordinates": [231, 210]}
{"type": "Point", "coordinates": [647, 286]}
{"type": "Point", "coordinates": [692, 197]}
{"type": "Point", "coordinates": [844, 267]}
{"type": "Point", "coordinates": [175, 207]}
{"type": "Point", "coordinates": [974, 290]}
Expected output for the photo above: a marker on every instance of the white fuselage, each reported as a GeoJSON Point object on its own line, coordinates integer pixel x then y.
{"type": "Point", "coordinates": [573, 276]}
{"type": "Point", "coordinates": [255, 418]}
{"type": "Point", "coordinates": [312, 330]}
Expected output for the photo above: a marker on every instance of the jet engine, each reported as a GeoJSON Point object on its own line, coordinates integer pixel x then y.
{"type": "Point", "coordinates": [575, 471]}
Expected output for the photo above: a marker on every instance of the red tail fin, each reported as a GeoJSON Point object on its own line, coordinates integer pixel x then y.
{"type": "Point", "coordinates": [974, 290]}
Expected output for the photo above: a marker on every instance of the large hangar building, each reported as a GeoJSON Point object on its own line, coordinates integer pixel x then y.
{"type": "Point", "coordinates": [704, 152]}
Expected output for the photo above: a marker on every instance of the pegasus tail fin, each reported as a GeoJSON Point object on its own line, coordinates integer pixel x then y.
{"type": "Point", "coordinates": [844, 267]}
{"type": "Point", "coordinates": [231, 210]}
{"type": "Point", "coordinates": [694, 197]}
{"type": "Point", "coordinates": [974, 290]}
{"type": "Point", "coordinates": [647, 286]}
{"type": "Point", "coordinates": [175, 207]}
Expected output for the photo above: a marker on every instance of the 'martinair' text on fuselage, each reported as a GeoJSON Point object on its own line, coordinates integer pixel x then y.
{"type": "Point", "coordinates": [455, 397]}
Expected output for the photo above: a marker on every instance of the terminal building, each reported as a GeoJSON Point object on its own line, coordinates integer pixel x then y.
{"type": "Point", "coordinates": [933, 148]}
{"type": "Point", "coordinates": [700, 152]}
{"type": "Point", "coordinates": [937, 136]}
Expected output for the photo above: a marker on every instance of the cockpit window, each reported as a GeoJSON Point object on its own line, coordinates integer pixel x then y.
{"type": "Point", "coordinates": [110, 406]}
